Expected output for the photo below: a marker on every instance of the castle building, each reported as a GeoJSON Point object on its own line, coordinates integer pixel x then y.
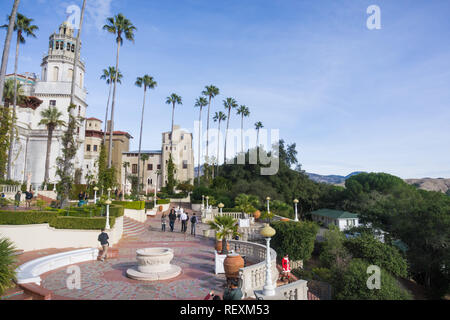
{"type": "Point", "coordinates": [52, 89]}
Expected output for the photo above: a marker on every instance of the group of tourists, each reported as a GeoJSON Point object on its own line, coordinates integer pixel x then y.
{"type": "Point", "coordinates": [180, 215]}
{"type": "Point", "coordinates": [28, 198]}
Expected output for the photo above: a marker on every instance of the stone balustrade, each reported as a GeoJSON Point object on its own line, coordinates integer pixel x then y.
{"type": "Point", "coordinates": [297, 290]}
{"type": "Point", "coordinates": [9, 189]}
{"type": "Point", "coordinates": [253, 277]}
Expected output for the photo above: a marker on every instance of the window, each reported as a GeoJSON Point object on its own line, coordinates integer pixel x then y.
{"type": "Point", "coordinates": [68, 47]}
{"type": "Point", "coordinates": [150, 167]}
{"type": "Point", "coordinates": [95, 148]}
{"type": "Point", "coordinates": [185, 164]}
{"type": "Point", "coordinates": [134, 169]}
{"type": "Point", "coordinates": [73, 48]}
{"type": "Point", "coordinates": [52, 103]}
{"type": "Point", "coordinates": [182, 137]}
{"type": "Point", "coordinates": [57, 45]}
{"type": "Point", "coordinates": [159, 167]}
{"type": "Point", "coordinates": [55, 74]}
{"type": "Point", "coordinates": [185, 147]}
{"type": "Point", "coordinates": [78, 130]}
{"type": "Point", "coordinates": [88, 148]}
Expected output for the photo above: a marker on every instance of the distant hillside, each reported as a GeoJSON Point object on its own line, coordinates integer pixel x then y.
{"type": "Point", "coordinates": [332, 179]}
{"type": "Point", "coordinates": [429, 184]}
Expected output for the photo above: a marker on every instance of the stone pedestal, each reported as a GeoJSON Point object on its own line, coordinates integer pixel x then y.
{"type": "Point", "coordinates": [154, 265]}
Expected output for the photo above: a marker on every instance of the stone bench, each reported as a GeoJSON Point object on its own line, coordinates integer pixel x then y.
{"type": "Point", "coordinates": [35, 292]}
{"type": "Point", "coordinates": [30, 272]}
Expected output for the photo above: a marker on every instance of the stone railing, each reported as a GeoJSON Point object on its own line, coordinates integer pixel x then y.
{"type": "Point", "coordinates": [9, 188]}
{"type": "Point", "coordinates": [297, 290]}
{"type": "Point", "coordinates": [253, 277]}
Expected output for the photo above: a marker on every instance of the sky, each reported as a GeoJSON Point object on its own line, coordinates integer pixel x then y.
{"type": "Point", "coordinates": [352, 99]}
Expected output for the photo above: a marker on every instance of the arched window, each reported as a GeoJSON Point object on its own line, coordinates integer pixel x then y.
{"type": "Point", "coordinates": [81, 80]}
{"type": "Point", "coordinates": [68, 46]}
{"type": "Point", "coordinates": [55, 73]}
{"type": "Point", "coordinates": [70, 74]}
{"type": "Point", "coordinates": [73, 48]}
{"type": "Point", "coordinates": [57, 45]}
{"type": "Point", "coordinates": [61, 46]}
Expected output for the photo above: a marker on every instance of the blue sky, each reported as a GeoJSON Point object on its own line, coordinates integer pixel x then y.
{"type": "Point", "coordinates": [352, 99]}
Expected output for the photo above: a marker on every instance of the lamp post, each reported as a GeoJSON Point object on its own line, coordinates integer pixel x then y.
{"type": "Point", "coordinates": [269, 289]}
{"type": "Point", "coordinates": [221, 206]}
{"type": "Point", "coordinates": [268, 205]}
{"type": "Point", "coordinates": [203, 202]}
{"type": "Point", "coordinates": [207, 202]}
{"type": "Point", "coordinates": [107, 202]}
{"type": "Point", "coordinates": [156, 186]}
{"type": "Point", "coordinates": [95, 195]}
{"type": "Point", "coordinates": [296, 210]}
{"type": "Point", "coordinates": [109, 193]}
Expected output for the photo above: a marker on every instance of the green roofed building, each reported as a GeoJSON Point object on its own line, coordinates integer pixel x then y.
{"type": "Point", "coordinates": [342, 219]}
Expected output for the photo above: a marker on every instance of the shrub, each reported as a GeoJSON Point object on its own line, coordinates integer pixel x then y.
{"type": "Point", "coordinates": [26, 217]}
{"type": "Point", "coordinates": [149, 205]}
{"type": "Point", "coordinates": [7, 264]}
{"type": "Point", "coordinates": [135, 205]}
{"type": "Point", "coordinates": [162, 201]}
{"type": "Point", "coordinates": [295, 239]}
{"type": "Point", "coordinates": [77, 223]}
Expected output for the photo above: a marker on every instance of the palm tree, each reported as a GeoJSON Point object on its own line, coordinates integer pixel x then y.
{"type": "Point", "coordinates": [244, 112]}
{"type": "Point", "coordinates": [109, 75]}
{"type": "Point", "coordinates": [258, 126]}
{"type": "Point", "coordinates": [144, 158]}
{"type": "Point", "coordinates": [9, 91]}
{"type": "Point", "coordinates": [148, 82]}
{"type": "Point", "coordinates": [173, 100]}
{"type": "Point", "coordinates": [119, 26]}
{"type": "Point", "coordinates": [211, 92]}
{"type": "Point", "coordinates": [12, 20]}
{"type": "Point", "coordinates": [229, 104]}
{"type": "Point", "coordinates": [51, 119]}
{"type": "Point", "coordinates": [226, 227]}
{"type": "Point", "coordinates": [200, 103]}
{"type": "Point", "coordinates": [219, 117]}
{"type": "Point", "coordinates": [8, 264]}
{"type": "Point", "coordinates": [22, 26]}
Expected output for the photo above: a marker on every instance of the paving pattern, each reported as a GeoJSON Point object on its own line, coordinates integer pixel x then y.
{"type": "Point", "coordinates": [107, 280]}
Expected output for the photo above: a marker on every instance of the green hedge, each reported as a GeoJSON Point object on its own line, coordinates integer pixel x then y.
{"type": "Point", "coordinates": [162, 201]}
{"type": "Point", "coordinates": [149, 205]}
{"type": "Point", "coordinates": [135, 205]}
{"type": "Point", "coordinates": [56, 219]}
{"type": "Point", "coordinates": [77, 223]}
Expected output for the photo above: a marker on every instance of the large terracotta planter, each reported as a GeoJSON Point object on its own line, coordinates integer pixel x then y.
{"type": "Point", "coordinates": [285, 220]}
{"type": "Point", "coordinates": [161, 208]}
{"type": "Point", "coordinates": [232, 264]}
{"type": "Point", "coordinates": [219, 246]}
{"type": "Point", "coordinates": [257, 214]}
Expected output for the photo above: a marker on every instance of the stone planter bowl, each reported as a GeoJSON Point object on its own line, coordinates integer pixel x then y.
{"type": "Point", "coordinates": [154, 260]}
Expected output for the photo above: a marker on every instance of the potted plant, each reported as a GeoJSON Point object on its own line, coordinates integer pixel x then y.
{"type": "Point", "coordinates": [226, 226]}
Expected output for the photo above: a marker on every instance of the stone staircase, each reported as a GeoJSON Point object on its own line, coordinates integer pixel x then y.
{"type": "Point", "coordinates": [132, 228]}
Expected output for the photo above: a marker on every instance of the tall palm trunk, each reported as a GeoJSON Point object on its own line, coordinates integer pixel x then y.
{"type": "Point", "coordinates": [11, 138]}
{"type": "Point", "coordinates": [226, 137]}
{"type": "Point", "coordinates": [199, 143]}
{"type": "Point", "coordinates": [242, 134]}
{"type": "Point", "coordinates": [218, 149]}
{"type": "Point", "coordinates": [207, 131]}
{"type": "Point", "coordinates": [111, 128]}
{"type": "Point", "coordinates": [49, 149]}
{"type": "Point", "coordinates": [140, 138]}
{"type": "Point", "coordinates": [107, 110]}
{"type": "Point", "coordinates": [173, 118]}
{"type": "Point", "coordinates": [257, 139]}
{"type": "Point", "coordinates": [8, 38]}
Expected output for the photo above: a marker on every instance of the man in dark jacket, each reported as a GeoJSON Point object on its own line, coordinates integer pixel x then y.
{"type": "Point", "coordinates": [103, 239]}
{"type": "Point", "coordinates": [172, 219]}
{"type": "Point", "coordinates": [233, 292]}
{"type": "Point", "coordinates": [193, 224]}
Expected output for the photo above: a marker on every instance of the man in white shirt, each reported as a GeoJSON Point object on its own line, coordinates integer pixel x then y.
{"type": "Point", "coordinates": [184, 219]}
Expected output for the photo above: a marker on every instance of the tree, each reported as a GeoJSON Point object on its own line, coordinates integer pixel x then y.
{"type": "Point", "coordinates": [333, 253]}
{"type": "Point", "coordinates": [23, 27]}
{"type": "Point", "coordinates": [226, 227]}
{"type": "Point", "coordinates": [258, 127]}
{"type": "Point", "coordinates": [351, 284]}
{"type": "Point", "coordinates": [119, 26]}
{"type": "Point", "coordinates": [5, 125]}
{"type": "Point", "coordinates": [171, 182]}
{"type": "Point", "coordinates": [247, 203]}
{"type": "Point", "coordinates": [51, 118]}
{"type": "Point", "coordinates": [244, 112]}
{"type": "Point", "coordinates": [144, 158]}
{"type": "Point", "coordinates": [8, 262]}
{"type": "Point", "coordinates": [148, 83]}
{"type": "Point", "coordinates": [200, 103]}
{"type": "Point", "coordinates": [295, 239]}
{"type": "Point", "coordinates": [109, 75]}
{"type": "Point", "coordinates": [5, 56]}
{"type": "Point", "coordinates": [211, 92]}
{"type": "Point", "coordinates": [173, 100]}
{"type": "Point", "coordinates": [229, 104]}
{"type": "Point", "coordinates": [219, 117]}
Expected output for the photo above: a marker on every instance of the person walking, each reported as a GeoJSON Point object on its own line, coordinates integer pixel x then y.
{"type": "Point", "coordinates": [28, 198]}
{"type": "Point", "coordinates": [17, 198]}
{"type": "Point", "coordinates": [172, 219]}
{"type": "Point", "coordinates": [183, 218]}
{"type": "Point", "coordinates": [233, 292]}
{"type": "Point", "coordinates": [103, 239]}
{"type": "Point", "coordinates": [163, 222]}
{"type": "Point", "coordinates": [193, 224]}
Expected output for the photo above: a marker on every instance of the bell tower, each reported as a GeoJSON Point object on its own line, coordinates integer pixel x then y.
{"type": "Point", "coordinates": [57, 66]}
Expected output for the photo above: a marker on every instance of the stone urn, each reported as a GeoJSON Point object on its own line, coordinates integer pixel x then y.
{"type": "Point", "coordinates": [154, 264]}
{"type": "Point", "coordinates": [257, 214]}
{"type": "Point", "coordinates": [232, 264]}
{"type": "Point", "coordinates": [206, 233]}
